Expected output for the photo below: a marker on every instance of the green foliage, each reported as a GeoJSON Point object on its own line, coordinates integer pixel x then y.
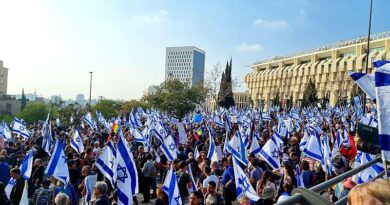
{"type": "Point", "coordinates": [310, 94]}
{"type": "Point", "coordinates": [134, 104]}
{"type": "Point", "coordinates": [36, 111]}
{"type": "Point", "coordinates": [177, 98]}
{"type": "Point", "coordinates": [7, 118]}
{"type": "Point", "coordinates": [109, 108]}
{"type": "Point", "coordinates": [75, 111]}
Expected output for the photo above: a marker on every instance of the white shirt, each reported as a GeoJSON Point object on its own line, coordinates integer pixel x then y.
{"type": "Point", "coordinates": [210, 178]}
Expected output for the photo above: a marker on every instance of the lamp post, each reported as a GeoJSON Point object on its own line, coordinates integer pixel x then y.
{"type": "Point", "coordinates": [367, 52]}
{"type": "Point", "coordinates": [90, 88]}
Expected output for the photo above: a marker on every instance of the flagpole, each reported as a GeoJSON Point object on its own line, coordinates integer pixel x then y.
{"type": "Point", "coordinates": [90, 88]}
{"type": "Point", "coordinates": [368, 51]}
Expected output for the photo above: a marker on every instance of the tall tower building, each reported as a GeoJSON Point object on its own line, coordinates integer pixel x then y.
{"type": "Point", "coordinates": [185, 64]}
{"type": "Point", "coordinates": [3, 79]}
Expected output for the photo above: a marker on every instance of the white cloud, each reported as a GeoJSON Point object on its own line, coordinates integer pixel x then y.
{"type": "Point", "coordinates": [270, 24]}
{"type": "Point", "coordinates": [153, 18]}
{"type": "Point", "coordinates": [244, 47]}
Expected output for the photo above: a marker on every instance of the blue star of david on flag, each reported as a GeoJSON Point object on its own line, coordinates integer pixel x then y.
{"type": "Point", "coordinates": [178, 199]}
{"type": "Point", "coordinates": [244, 183]}
{"type": "Point", "coordinates": [275, 153]}
{"type": "Point", "coordinates": [122, 174]}
{"type": "Point", "coordinates": [172, 147]}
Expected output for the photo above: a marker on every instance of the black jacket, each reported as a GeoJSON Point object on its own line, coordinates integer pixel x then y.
{"type": "Point", "coordinates": [17, 191]}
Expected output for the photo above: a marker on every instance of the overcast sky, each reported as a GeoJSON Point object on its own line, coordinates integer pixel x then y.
{"type": "Point", "coordinates": [51, 46]}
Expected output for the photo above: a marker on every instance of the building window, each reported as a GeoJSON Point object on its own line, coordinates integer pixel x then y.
{"type": "Point", "coordinates": [8, 106]}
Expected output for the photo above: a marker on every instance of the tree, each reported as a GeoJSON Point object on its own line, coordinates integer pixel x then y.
{"type": "Point", "coordinates": [65, 112]}
{"type": "Point", "coordinates": [177, 98]}
{"type": "Point", "coordinates": [109, 108]}
{"type": "Point", "coordinates": [134, 104]}
{"type": "Point", "coordinates": [310, 94]}
{"type": "Point", "coordinates": [36, 111]}
{"type": "Point", "coordinates": [225, 94]}
{"type": "Point", "coordinates": [213, 82]}
{"type": "Point", "coordinates": [6, 117]}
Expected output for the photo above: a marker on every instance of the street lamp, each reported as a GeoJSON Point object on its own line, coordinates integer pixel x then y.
{"type": "Point", "coordinates": [90, 87]}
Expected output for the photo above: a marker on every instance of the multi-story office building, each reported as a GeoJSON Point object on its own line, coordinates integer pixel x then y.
{"type": "Point", "coordinates": [3, 79]}
{"type": "Point", "coordinates": [328, 66]}
{"type": "Point", "coordinates": [185, 64]}
{"type": "Point", "coordinates": [80, 99]}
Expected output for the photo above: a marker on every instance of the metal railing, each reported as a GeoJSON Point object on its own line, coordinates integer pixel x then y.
{"type": "Point", "coordinates": [311, 196]}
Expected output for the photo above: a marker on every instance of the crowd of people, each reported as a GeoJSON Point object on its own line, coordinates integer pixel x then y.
{"type": "Point", "coordinates": [200, 179]}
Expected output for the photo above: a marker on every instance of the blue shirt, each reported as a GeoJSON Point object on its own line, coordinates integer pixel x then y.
{"type": "Point", "coordinates": [227, 175]}
{"type": "Point", "coordinates": [307, 178]}
{"type": "Point", "coordinates": [4, 169]}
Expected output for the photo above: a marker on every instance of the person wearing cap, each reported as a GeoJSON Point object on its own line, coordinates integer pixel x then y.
{"type": "Point", "coordinates": [348, 185]}
{"type": "Point", "coordinates": [267, 196]}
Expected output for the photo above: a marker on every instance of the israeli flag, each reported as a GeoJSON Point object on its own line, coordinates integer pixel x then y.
{"type": "Point", "coordinates": [26, 166]}
{"type": "Point", "coordinates": [327, 155]}
{"type": "Point", "coordinates": [88, 119]}
{"type": "Point", "coordinates": [19, 128]}
{"type": "Point", "coordinates": [255, 147]}
{"type": "Point", "coordinates": [212, 154]}
{"type": "Point", "coordinates": [5, 130]}
{"type": "Point", "coordinates": [337, 144]}
{"type": "Point", "coordinates": [313, 147]}
{"type": "Point", "coordinates": [192, 179]}
{"type": "Point", "coordinates": [366, 82]}
{"type": "Point", "coordinates": [171, 188]}
{"type": "Point", "coordinates": [77, 143]}
{"type": "Point", "coordinates": [135, 120]}
{"type": "Point", "coordinates": [270, 153]}
{"type": "Point", "coordinates": [299, 177]}
{"type": "Point", "coordinates": [382, 84]}
{"type": "Point", "coordinates": [196, 153]}
{"type": "Point", "coordinates": [9, 187]}
{"type": "Point", "coordinates": [106, 162]}
{"type": "Point", "coordinates": [24, 199]}
{"type": "Point", "coordinates": [226, 143]}
{"type": "Point", "coordinates": [58, 166]}
{"type": "Point", "coordinates": [169, 148]}
{"type": "Point", "coordinates": [369, 173]}
{"type": "Point", "coordinates": [102, 120]}
{"type": "Point", "coordinates": [127, 176]}
{"type": "Point", "coordinates": [47, 140]}
{"type": "Point", "coordinates": [160, 131]}
{"type": "Point", "coordinates": [90, 182]}
{"type": "Point", "coordinates": [237, 148]}
{"type": "Point", "coordinates": [303, 142]}
{"type": "Point", "coordinates": [243, 186]}
{"type": "Point", "coordinates": [138, 137]}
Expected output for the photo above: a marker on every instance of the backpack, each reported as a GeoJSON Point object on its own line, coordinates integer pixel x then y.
{"type": "Point", "coordinates": [218, 198]}
{"type": "Point", "coordinates": [43, 197]}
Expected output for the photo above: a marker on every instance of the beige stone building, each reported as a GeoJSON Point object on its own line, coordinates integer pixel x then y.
{"type": "Point", "coordinates": [242, 100]}
{"type": "Point", "coordinates": [327, 66]}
